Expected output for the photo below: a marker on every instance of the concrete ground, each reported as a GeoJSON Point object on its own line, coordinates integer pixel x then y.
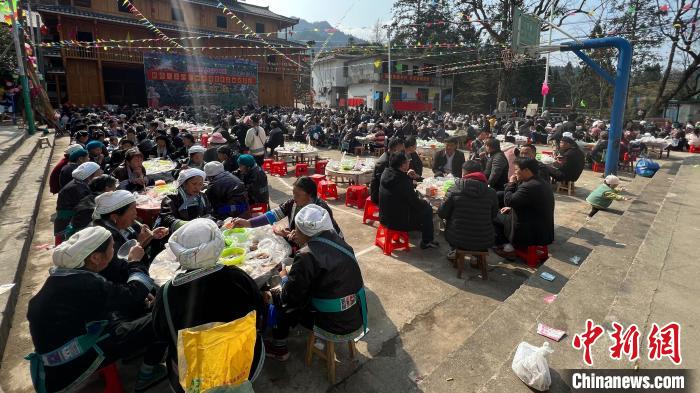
{"type": "Point", "coordinates": [419, 312]}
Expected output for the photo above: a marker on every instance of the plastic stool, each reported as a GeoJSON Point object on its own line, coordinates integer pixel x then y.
{"type": "Point", "coordinates": [694, 149]}
{"type": "Point", "coordinates": [389, 240]}
{"type": "Point", "coordinates": [598, 167]}
{"type": "Point", "coordinates": [317, 178]}
{"type": "Point", "coordinates": [371, 211]}
{"type": "Point", "coordinates": [533, 255]}
{"type": "Point", "coordinates": [301, 169]}
{"type": "Point", "coordinates": [320, 167]}
{"type": "Point", "coordinates": [110, 375]}
{"type": "Point", "coordinates": [279, 168]}
{"type": "Point", "coordinates": [356, 196]}
{"type": "Point", "coordinates": [267, 164]}
{"type": "Point", "coordinates": [259, 208]}
{"type": "Point", "coordinates": [327, 189]}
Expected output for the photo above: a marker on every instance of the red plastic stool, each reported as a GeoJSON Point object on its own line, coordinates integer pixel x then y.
{"type": "Point", "coordinates": [259, 208]}
{"type": "Point", "coordinates": [389, 240]}
{"type": "Point", "coordinates": [327, 189]}
{"type": "Point", "coordinates": [301, 169]}
{"type": "Point", "coordinates": [110, 375]}
{"type": "Point", "coordinates": [598, 167]}
{"type": "Point", "coordinates": [321, 167]}
{"type": "Point", "coordinates": [694, 149]}
{"type": "Point", "coordinates": [317, 178]}
{"type": "Point", "coordinates": [533, 255]}
{"type": "Point", "coordinates": [356, 196]}
{"type": "Point", "coordinates": [267, 164]}
{"type": "Point", "coordinates": [371, 211]}
{"type": "Point", "coordinates": [278, 168]}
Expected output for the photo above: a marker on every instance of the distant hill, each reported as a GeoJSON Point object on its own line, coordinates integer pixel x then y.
{"type": "Point", "coordinates": [318, 31]}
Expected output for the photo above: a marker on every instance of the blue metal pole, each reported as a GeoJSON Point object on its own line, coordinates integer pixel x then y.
{"type": "Point", "coordinates": [622, 78]}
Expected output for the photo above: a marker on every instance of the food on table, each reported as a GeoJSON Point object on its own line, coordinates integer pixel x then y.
{"type": "Point", "coordinates": [232, 256]}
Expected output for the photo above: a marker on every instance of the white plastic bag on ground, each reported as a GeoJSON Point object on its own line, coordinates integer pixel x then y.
{"type": "Point", "coordinates": [531, 366]}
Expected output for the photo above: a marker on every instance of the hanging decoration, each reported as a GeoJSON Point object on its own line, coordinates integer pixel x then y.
{"type": "Point", "coordinates": [664, 8]}
{"type": "Point", "coordinates": [545, 89]}
{"type": "Point", "coordinates": [148, 24]}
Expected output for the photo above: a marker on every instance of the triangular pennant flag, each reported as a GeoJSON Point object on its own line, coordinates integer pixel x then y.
{"type": "Point", "coordinates": [582, 104]}
{"type": "Point", "coordinates": [377, 63]}
{"type": "Point", "coordinates": [387, 98]}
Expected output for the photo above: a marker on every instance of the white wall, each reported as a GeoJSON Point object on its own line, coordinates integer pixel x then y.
{"type": "Point", "coordinates": [327, 74]}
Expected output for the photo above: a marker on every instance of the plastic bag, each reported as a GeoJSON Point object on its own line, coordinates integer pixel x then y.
{"type": "Point", "coordinates": [531, 366]}
{"type": "Point", "coordinates": [646, 167]}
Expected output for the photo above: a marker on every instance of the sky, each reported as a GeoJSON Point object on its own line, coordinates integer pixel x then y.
{"type": "Point", "coordinates": [355, 17]}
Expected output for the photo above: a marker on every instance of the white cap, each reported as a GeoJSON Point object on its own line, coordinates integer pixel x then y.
{"type": "Point", "coordinates": [108, 202]}
{"type": "Point", "coordinates": [196, 149]}
{"type": "Point", "coordinates": [71, 253]}
{"type": "Point", "coordinates": [612, 180]}
{"type": "Point", "coordinates": [85, 170]}
{"type": "Point", "coordinates": [190, 173]}
{"type": "Point", "coordinates": [312, 220]}
{"type": "Point", "coordinates": [213, 168]}
{"type": "Point", "coordinates": [197, 244]}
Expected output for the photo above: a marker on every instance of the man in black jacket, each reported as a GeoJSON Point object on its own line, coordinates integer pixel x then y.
{"type": "Point", "coordinates": [400, 208]}
{"type": "Point", "coordinates": [395, 145]}
{"type": "Point", "coordinates": [448, 161]}
{"type": "Point", "coordinates": [470, 207]}
{"type": "Point", "coordinates": [528, 218]}
{"type": "Point", "coordinates": [530, 151]}
{"type": "Point", "coordinates": [226, 193]}
{"type": "Point", "coordinates": [496, 166]}
{"type": "Point", "coordinates": [571, 162]}
{"type": "Point", "coordinates": [276, 137]}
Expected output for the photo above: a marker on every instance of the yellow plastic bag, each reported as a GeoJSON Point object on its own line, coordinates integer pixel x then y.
{"type": "Point", "coordinates": [216, 355]}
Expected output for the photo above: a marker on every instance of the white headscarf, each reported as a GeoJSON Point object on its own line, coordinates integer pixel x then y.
{"type": "Point", "coordinates": [196, 149]}
{"type": "Point", "coordinates": [213, 168]}
{"type": "Point", "coordinates": [71, 253]}
{"type": "Point", "coordinates": [190, 173]}
{"type": "Point", "coordinates": [85, 170]}
{"type": "Point", "coordinates": [197, 244]}
{"type": "Point", "coordinates": [312, 220]}
{"type": "Point", "coordinates": [108, 202]}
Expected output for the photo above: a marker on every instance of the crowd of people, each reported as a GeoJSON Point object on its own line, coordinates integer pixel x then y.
{"type": "Point", "coordinates": [100, 305]}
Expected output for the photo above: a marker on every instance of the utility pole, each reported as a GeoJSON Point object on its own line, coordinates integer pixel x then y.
{"type": "Point", "coordinates": [546, 68]}
{"type": "Point", "coordinates": [452, 93]}
{"type": "Point", "coordinates": [388, 102]}
{"type": "Point", "coordinates": [28, 112]}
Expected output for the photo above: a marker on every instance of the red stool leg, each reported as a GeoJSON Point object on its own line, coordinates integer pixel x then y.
{"type": "Point", "coordinates": [110, 375]}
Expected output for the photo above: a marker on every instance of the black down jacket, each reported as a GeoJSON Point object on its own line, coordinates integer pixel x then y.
{"type": "Point", "coordinates": [470, 207]}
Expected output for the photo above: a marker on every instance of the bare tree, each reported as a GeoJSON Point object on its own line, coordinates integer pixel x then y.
{"type": "Point", "coordinates": [684, 36]}
{"type": "Point", "coordinates": [378, 33]}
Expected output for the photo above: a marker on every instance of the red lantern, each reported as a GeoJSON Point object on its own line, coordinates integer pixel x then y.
{"type": "Point", "coordinates": [545, 88]}
{"type": "Point", "coordinates": [44, 30]}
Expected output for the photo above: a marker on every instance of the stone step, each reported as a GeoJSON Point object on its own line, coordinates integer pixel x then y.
{"type": "Point", "coordinates": [14, 165]}
{"type": "Point", "coordinates": [474, 365]}
{"type": "Point", "coordinates": [24, 177]}
{"type": "Point", "coordinates": [11, 138]}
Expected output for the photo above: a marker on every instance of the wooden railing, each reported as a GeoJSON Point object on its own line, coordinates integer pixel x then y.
{"type": "Point", "coordinates": [115, 55]}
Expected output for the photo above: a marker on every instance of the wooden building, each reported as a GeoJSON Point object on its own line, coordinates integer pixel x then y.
{"type": "Point", "coordinates": [88, 75]}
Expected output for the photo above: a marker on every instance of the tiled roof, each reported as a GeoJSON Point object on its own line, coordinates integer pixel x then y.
{"type": "Point", "coordinates": [83, 13]}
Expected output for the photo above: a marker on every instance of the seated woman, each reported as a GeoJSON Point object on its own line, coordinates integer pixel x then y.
{"type": "Point", "coordinates": [194, 298]}
{"type": "Point", "coordinates": [70, 196]}
{"type": "Point", "coordinates": [86, 207]}
{"type": "Point", "coordinates": [254, 178]}
{"type": "Point", "coordinates": [72, 318]}
{"type": "Point", "coordinates": [164, 149]}
{"type": "Point", "coordinates": [195, 160]}
{"type": "Point", "coordinates": [226, 192]}
{"type": "Point", "coordinates": [116, 212]}
{"type": "Point", "coordinates": [189, 202]}
{"type": "Point", "coordinates": [132, 174]}
{"type": "Point", "coordinates": [303, 194]}
{"type": "Point", "coordinates": [75, 159]}
{"type": "Point", "coordinates": [324, 290]}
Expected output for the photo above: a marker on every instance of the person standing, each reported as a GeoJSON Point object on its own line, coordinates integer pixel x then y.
{"type": "Point", "coordinates": [255, 140]}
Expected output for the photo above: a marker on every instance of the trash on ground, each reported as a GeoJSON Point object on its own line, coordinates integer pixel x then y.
{"type": "Point", "coordinates": [575, 259]}
{"type": "Point", "coordinates": [550, 332]}
{"type": "Point", "coordinates": [531, 366]}
{"type": "Point", "coordinates": [550, 298]}
{"type": "Point", "coordinates": [547, 276]}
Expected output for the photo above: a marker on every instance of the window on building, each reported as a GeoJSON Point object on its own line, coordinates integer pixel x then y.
{"type": "Point", "coordinates": [221, 22]}
{"type": "Point", "coordinates": [122, 7]}
{"type": "Point", "coordinates": [177, 14]}
{"type": "Point", "coordinates": [422, 95]}
{"type": "Point", "coordinates": [84, 36]}
{"type": "Point", "coordinates": [272, 59]}
{"type": "Point", "coordinates": [82, 3]}
{"type": "Point", "coordinates": [259, 28]}
{"type": "Point", "coordinates": [396, 93]}
{"type": "Point", "coordinates": [345, 71]}
{"type": "Point", "coordinates": [416, 70]}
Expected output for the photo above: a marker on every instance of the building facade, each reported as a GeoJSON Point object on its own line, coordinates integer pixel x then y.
{"type": "Point", "coordinates": [89, 75]}
{"type": "Point", "coordinates": [344, 80]}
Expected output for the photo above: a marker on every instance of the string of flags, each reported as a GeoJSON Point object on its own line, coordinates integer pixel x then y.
{"type": "Point", "coordinates": [248, 30]}
{"type": "Point", "coordinates": [138, 40]}
{"type": "Point", "coordinates": [148, 24]}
